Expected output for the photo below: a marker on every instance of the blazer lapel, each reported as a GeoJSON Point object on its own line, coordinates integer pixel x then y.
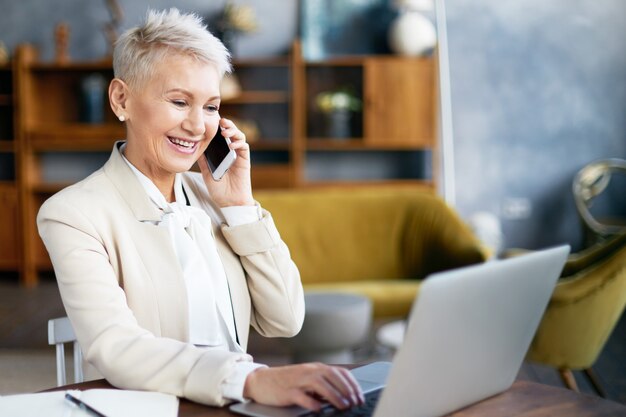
{"type": "Point", "coordinates": [155, 248]}
{"type": "Point", "coordinates": [129, 187]}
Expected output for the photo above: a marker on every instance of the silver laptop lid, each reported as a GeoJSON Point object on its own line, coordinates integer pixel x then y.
{"type": "Point", "coordinates": [468, 333]}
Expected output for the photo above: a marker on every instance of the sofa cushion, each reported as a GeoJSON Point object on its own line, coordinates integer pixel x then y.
{"type": "Point", "coordinates": [370, 234]}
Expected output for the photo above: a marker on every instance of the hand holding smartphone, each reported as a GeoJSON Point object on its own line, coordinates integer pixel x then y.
{"type": "Point", "coordinates": [219, 155]}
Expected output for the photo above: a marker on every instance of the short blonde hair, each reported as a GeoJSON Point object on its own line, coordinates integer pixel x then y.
{"type": "Point", "coordinates": [139, 49]}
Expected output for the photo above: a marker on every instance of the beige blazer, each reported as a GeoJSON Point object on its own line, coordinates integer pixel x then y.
{"type": "Point", "coordinates": [123, 289]}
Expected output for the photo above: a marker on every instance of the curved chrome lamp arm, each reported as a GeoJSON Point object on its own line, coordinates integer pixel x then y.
{"type": "Point", "coordinates": [588, 183]}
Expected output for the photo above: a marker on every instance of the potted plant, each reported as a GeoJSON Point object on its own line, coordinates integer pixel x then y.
{"type": "Point", "coordinates": [338, 107]}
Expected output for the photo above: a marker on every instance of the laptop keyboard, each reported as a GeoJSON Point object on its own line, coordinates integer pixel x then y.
{"type": "Point", "coordinates": [365, 410]}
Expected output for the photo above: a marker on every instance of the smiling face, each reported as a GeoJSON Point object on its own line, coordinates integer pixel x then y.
{"type": "Point", "coordinates": [172, 117]}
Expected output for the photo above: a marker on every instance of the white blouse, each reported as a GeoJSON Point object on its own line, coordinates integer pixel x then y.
{"type": "Point", "coordinates": [211, 319]}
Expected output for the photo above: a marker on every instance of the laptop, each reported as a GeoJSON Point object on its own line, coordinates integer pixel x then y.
{"type": "Point", "coordinates": [467, 335]}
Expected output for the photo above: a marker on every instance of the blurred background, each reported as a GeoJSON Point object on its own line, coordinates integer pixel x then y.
{"type": "Point", "coordinates": [537, 92]}
{"type": "Point", "coordinates": [538, 88]}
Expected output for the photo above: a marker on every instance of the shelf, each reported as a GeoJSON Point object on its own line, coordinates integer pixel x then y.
{"type": "Point", "coordinates": [49, 188]}
{"type": "Point", "coordinates": [338, 61]}
{"type": "Point", "coordinates": [102, 65]}
{"type": "Point", "coordinates": [259, 97]}
{"type": "Point", "coordinates": [426, 184]}
{"type": "Point", "coordinates": [358, 60]}
{"type": "Point", "coordinates": [101, 138]}
{"type": "Point", "coordinates": [6, 146]}
{"type": "Point", "coordinates": [281, 61]}
{"type": "Point", "coordinates": [278, 175]}
{"type": "Point", "coordinates": [358, 144]}
{"type": "Point", "coordinates": [76, 137]}
{"type": "Point", "coordinates": [270, 145]}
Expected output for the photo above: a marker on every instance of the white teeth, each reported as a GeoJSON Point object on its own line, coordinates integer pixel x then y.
{"type": "Point", "coordinates": [182, 142]}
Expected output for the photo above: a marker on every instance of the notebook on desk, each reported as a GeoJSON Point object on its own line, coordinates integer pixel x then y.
{"type": "Point", "coordinates": [466, 337]}
{"type": "Point", "coordinates": [107, 402]}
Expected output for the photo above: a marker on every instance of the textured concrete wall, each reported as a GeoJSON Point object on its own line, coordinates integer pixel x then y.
{"type": "Point", "coordinates": [538, 91]}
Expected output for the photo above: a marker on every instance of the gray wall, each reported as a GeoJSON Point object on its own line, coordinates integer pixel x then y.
{"type": "Point", "coordinates": [538, 91]}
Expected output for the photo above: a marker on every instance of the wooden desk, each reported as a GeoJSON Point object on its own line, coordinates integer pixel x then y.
{"type": "Point", "coordinates": [524, 398]}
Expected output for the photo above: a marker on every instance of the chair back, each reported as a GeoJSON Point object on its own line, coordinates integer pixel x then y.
{"type": "Point", "coordinates": [588, 184]}
{"type": "Point", "coordinates": [586, 305]}
{"type": "Point", "coordinates": [60, 331]}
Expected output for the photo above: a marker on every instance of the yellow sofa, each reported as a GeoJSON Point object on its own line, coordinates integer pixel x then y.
{"type": "Point", "coordinates": [378, 241]}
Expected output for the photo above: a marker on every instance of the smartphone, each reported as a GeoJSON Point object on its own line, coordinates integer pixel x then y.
{"type": "Point", "coordinates": [219, 155]}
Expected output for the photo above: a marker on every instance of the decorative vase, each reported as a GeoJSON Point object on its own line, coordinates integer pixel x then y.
{"type": "Point", "coordinates": [92, 90]}
{"type": "Point", "coordinates": [338, 123]}
{"type": "Point", "coordinates": [412, 34]}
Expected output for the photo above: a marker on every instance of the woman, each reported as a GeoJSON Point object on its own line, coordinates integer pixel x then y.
{"type": "Point", "coordinates": [162, 271]}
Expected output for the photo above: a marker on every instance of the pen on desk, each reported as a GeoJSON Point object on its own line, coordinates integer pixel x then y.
{"type": "Point", "coordinates": [89, 409]}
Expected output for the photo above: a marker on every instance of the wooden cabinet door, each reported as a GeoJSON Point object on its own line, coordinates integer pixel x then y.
{"type": "Point", "coordinates": [9, 243]}
{"type": "Point", "coordinates": [399, 101]}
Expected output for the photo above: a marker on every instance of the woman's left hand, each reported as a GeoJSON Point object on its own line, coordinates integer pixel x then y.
{"type": "Point", "coordinates": [235, 188]}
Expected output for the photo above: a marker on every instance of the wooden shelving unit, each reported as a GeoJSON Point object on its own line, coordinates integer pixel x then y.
{"type": "Point", "coordinates": [7, 146]}
{"type": "Point", "coordinates": [358, 144]}
{"type": "Point", "coordinates": [277, 95]}
{"type": "Point", "coordinates": [259, 97]}
{"type": "Point", "coordinates": [10, 238]}
{"type": "Point", "coordinates": [426, 185]}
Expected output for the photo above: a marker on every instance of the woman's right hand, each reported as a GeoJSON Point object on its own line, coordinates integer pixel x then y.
{"type": "Point", "coordinates": [304, 385]}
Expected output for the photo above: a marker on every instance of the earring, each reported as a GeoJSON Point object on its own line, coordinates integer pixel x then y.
{"type": "Point", "coordinates": [122, 118]}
